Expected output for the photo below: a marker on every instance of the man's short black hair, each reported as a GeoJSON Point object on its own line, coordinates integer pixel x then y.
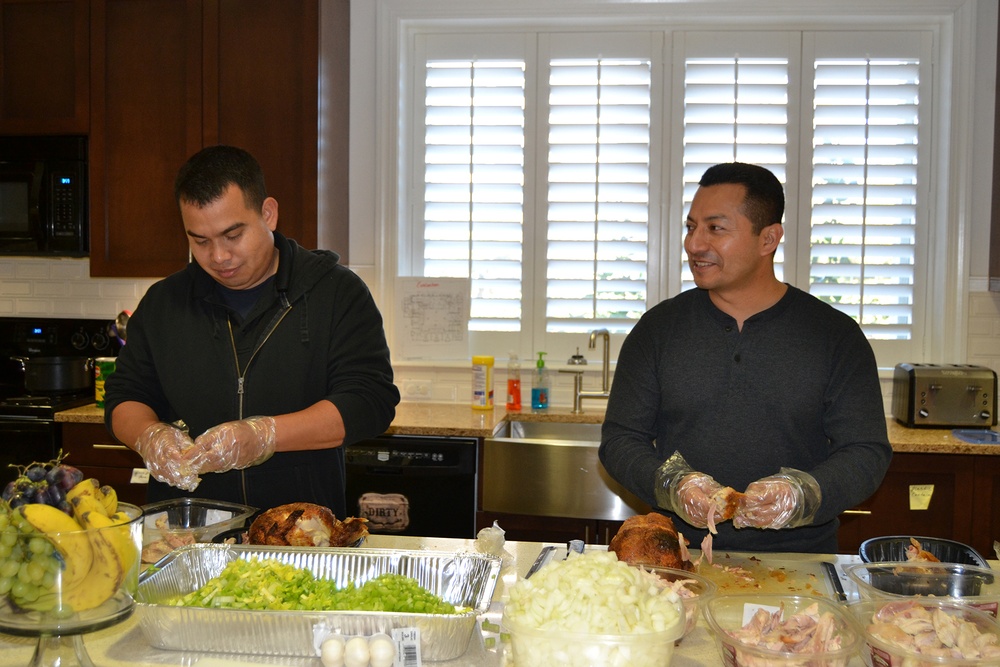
{"type": "Point", "coordinates": [764, 203]}
{"type": "Point", "coordinates": [209, 172]}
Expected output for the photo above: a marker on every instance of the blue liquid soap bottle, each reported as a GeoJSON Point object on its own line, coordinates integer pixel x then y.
{"type": "Point", "coordinates": [540, 385]}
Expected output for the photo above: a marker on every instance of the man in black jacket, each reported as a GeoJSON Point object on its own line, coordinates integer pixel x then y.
{"type": "Point", "coordinates": [245, 373]}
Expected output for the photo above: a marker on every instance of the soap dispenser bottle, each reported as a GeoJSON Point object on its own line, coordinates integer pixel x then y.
{"type": "Point", "coordinates": [540, 385]}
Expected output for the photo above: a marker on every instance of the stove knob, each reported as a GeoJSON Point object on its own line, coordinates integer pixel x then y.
{"type": "Point", "coordinates": [79, 340]}
{"type": "Point", "coordinates": [100, 341]}
{"type": "Point", "coordinates": [923, 412]}
{"type": "Point", "coordinates": [985, 415]}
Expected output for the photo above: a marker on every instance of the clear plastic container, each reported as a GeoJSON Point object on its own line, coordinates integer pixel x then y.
{"type": "Point", "coordinates": [531, 647]}
{"type": "Point", "coordinates": [731, 612]}
{"type": "Point", "coordinates": [962, 584]}
{"type": "Point", "coordinates": [879, 647]}
{"type": "Point", "coordinates": [169, 524]}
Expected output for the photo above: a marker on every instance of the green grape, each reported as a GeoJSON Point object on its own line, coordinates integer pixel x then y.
{"type": "Point", "coordinates": [5, 584]}
{"type": "Point", "coordinates": [9, 568]}
{"type": "Point", "coordinates": [23, 574]}
{"type": "Point", "coordinates": [5, 550]}
{"type": "Point", "coordinates": [39, 546]}
{"type": "Point", "coordinates": [29, 593]}
{"type": "Point", "coordinates": [4, 520]}
{"type": "Point", "coordinates": [36, 571]}
{"type": "Point", "coordinates": [8, 536]}
{"type": "Point", "coordinates": [48, 580]}
{"type": "Point", "coordinates": [19, 589]}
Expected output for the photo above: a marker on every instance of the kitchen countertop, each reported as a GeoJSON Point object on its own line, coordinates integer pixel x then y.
{"type": "Point", "coordinates": [125, 645]}
{"type": "Point", "coordinates": [459, 419]}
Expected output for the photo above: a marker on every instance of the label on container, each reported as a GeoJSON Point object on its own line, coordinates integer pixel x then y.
{"type": "Point", "coordinates": [407, 647]}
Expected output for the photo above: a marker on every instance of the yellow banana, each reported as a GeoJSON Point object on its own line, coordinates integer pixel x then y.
{"type": "Point", "coordinates": [118, 535]}
{"type": "Point", "coordinates": [84, 503]}
{"type": "Point", "coordinates": [87, 487]}
{"type": "Point", "coordinates": [67, 536]}
{"type": "Point", "coordinates": [109, 497]}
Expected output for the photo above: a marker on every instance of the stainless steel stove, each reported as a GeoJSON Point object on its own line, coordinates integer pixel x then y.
{"type": "Point", "coordinates": [28, 430]}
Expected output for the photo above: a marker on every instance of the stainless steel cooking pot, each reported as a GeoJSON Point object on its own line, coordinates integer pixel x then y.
{"type": "Point", "coordinates": [57, 375]}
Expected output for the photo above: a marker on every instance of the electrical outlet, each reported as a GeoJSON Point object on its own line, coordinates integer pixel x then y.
{"type": "Point", "coordinates": [416, 389]}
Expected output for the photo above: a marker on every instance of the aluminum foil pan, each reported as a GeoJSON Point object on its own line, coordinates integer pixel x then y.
{"type": "Point", "coordinates": [464, 579]}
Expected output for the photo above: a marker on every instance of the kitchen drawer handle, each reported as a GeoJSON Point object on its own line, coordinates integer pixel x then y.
{"type": "Point", "coordinates": [861, 512]}
{"type": "Point", "coordinates": [98, 445]}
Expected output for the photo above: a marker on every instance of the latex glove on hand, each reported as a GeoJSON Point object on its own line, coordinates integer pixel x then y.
{"type": "Point", "coordinates": [164, 448]}
{"type": "Point", "coordinates": [234, 445]}
{"type": "Point", "coordinates": [685, 491]}
{"type": "Point", "coordinates": [787, 500]}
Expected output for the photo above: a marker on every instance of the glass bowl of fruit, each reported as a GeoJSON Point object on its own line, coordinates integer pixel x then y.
{"type": "Point", "coordinates": [69, 560]}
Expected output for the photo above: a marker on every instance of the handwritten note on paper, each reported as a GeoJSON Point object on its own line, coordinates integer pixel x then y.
{"type": "Point", "coordinates": [920, 496]}
{"type": "Point", "coordinates": [432, 314]}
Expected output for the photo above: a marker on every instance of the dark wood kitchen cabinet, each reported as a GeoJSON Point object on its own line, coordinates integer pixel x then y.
{"type": "Point", "coordinates": [90, 448]}
{"type": "Point", "coordinates": [949, 514]}
{"type": "Point", "coordinates": [44, 67]}
{"type": "Point", "coordinates": [169, 77]}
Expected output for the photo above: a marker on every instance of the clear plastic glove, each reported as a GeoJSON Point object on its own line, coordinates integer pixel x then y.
{"type": "Point", "coordinates": [165, 450]}
{"type": "Point", "coordinates": [685, 491]}
{"type": "Point", "coordinates": [234, 445]}
{"type": "Point", "coordinates": [787, 500]}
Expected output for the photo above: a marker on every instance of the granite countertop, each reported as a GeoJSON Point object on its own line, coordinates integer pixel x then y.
{"type": "Point", "coordinates": [459, 419]}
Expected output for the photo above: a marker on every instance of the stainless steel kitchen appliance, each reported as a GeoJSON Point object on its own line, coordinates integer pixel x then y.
{"type": "Point", "coordinates": [944, 395]}
{"type": "Point", "coordinates": [28, 404]}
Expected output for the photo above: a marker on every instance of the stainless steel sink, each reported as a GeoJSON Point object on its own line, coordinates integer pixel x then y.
{"type": "Point", "coordinates": [559, 431]}
{"type": "Point", "coordinates": [552, 469]}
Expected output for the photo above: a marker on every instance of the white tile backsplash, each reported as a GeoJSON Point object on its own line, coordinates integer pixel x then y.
{"type": "Point", "coordinates": [44, 287]}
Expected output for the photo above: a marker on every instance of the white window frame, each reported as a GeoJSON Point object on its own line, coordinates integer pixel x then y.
{"type": "Point", "coordinates": [376, 138]}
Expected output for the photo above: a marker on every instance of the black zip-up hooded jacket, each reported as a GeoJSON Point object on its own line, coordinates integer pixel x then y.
{"type": "Point", "coordinates": [315, 334]}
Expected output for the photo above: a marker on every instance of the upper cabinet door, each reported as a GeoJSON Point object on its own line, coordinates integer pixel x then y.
{"type": "Point", "coordinates": [44, 67]}
{"type": "Point", "coordinates": [170, 77]}
{"type": "Point", "coordinates": [146, 85]}
{"type": "Point", "coordinates": [264, 57]}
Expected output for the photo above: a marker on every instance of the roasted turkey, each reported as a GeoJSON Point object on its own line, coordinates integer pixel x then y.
{"type": "Point", "coordinates": [305, 525]}
{"type": "Point", "coordinates": [651, 539]}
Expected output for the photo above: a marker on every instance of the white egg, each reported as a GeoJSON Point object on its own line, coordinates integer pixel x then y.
{"type": "Point", "coordinates": [356, 652]}
{"type": "Point", "coordinates": [332, 651]}
{"type": "Point", "coordinates": [382, 650]}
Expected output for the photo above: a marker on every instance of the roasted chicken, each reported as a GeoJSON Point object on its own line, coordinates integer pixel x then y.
{"type": "Point", "coordinates": [651, 539]}
{"type": "Point", "coordinates": [305, 525]}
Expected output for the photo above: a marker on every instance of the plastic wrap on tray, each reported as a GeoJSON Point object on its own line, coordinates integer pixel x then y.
{"type": "Point", "coordinates": [465, 579]}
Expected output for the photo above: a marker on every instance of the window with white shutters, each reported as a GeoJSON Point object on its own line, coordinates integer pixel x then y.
{"type": "Point", "coordinates": [554, 171]}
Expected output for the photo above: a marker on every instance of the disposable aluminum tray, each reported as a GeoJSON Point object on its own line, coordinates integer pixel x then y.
{"type": "Point", "coordinates": [465, 579]}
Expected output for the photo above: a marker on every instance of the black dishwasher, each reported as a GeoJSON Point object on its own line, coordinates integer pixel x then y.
{"type": "Point", "coordinates": [414, 485]}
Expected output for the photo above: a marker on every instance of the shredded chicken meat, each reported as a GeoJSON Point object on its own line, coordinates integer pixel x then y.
{"type": "Point", "coordinates": [807, 632]}
{"type": "Point", "coordinates": [931, 632]}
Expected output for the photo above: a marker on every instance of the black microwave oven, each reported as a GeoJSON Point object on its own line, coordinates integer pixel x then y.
{"type": "Point", "coordinates": [43, 196]}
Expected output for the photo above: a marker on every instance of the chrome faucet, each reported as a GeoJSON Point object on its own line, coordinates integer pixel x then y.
{"type": "Point", "coordinates": [578, 393]}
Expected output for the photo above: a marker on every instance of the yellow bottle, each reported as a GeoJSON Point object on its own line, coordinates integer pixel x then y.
{"type": "Point", "coordinates": [482, 382]}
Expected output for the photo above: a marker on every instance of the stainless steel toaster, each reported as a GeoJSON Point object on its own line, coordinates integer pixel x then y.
{"type": "Point", "coordinates": [944, 395]}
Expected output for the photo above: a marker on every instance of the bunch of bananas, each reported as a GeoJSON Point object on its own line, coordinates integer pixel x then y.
{"type": "Point", "coordinates": [52, 561]}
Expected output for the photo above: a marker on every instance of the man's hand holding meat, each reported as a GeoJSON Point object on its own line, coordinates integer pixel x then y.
{"type": "Point", "coordinates": [233, 445]}
{"type": "Point", "coordinates": [164, 449]}
{"type": "Point", "coordinates": [786, 500]}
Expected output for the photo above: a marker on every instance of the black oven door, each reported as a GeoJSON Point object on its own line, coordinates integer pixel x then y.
{"type": "Point", "coordinates": [23, 441]}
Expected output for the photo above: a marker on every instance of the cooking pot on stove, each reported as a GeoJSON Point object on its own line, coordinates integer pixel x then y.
{"type": "Point", "coordinates": [57, 375]}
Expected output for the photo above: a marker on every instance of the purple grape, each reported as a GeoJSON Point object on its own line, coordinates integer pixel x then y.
{"type": "Point", "coordinates": [30, 494]}
{"type": "Point", "coordinates": [54, 495]}
{"type": "Point", "coordinates": [35, 472]}
{"type": "Point", "coordinates": [17, 500]}
{"type": "Point", "coordinates": [9, 490]}
{"type": "Point", "coordinates": [70, 476]}
{"type": "Point", "coordinates": [65, 506]}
